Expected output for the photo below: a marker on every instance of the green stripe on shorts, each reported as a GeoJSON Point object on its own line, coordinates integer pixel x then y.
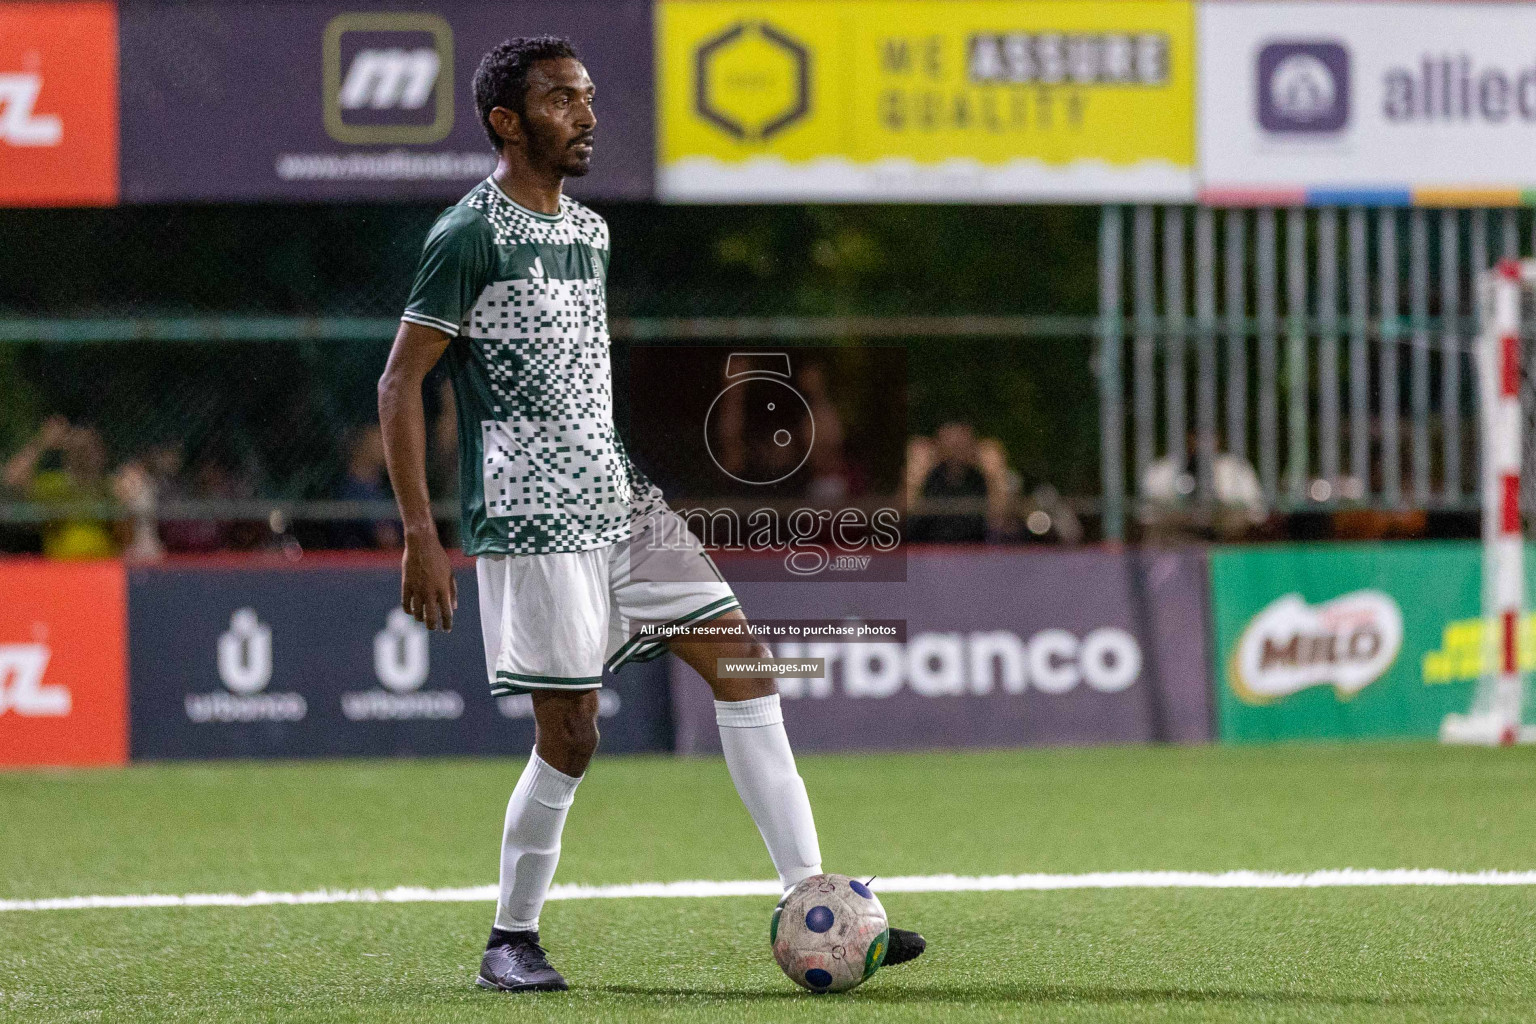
{"type": "Point", "coordinates": [644, 648]}
{"type": "Point", "coordinates": [509, 683]}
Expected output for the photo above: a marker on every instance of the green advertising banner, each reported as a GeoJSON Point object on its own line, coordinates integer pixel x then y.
{"type": "Point", "coordinates": [1346, 640]}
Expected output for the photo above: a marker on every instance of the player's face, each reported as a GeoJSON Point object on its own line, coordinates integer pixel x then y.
{"type": "Point", "coordinates": [560, 119]}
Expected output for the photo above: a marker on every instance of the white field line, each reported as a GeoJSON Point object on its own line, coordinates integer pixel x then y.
{"type": "Point", "coordinates": [1341, 878]}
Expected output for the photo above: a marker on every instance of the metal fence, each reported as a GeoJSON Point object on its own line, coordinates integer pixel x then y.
{"type": "Point", "coordinates": [249, 338]}
{"type": "Point", "coordinates": [1329, 348]}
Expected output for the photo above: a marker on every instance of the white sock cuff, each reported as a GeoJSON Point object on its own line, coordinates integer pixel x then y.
{"type": "Point", "coordinates": [749, 714]}
{"type": "Point", "coordinates": [506, 924]}
{"type": "Point", "coordinates": [550, 787]}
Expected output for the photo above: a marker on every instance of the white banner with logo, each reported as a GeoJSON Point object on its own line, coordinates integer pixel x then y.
{"type": "Point", "coordinates": [1415, 101]}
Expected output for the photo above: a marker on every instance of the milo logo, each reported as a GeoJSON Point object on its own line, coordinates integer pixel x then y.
{"type": "Point", "coordinates": [1348, 643]}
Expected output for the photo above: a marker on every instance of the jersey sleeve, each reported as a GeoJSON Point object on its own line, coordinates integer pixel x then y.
{"type": "Point", "coordinates": [456, 265]}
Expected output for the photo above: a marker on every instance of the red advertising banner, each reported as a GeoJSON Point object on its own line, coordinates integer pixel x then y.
{"type": "Point", "coordinates": [58, 104]}
{"type": "Point", "coordinates": [63, 663]}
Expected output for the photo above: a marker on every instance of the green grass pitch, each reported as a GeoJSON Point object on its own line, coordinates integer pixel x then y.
{"type": "Point", "coordinates": [1387, 954]}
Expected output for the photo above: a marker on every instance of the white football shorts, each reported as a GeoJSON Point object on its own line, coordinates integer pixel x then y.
{"type": "Point", "coordinates": [554, 622]}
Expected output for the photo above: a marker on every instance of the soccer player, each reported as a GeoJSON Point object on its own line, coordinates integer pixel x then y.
{"type": "Point", "coordinates": [575, 548]}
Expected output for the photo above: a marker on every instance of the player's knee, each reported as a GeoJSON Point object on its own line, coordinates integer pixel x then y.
{"type": "Point", "coordinates": [734, 687]}
{"type": "Point", "coordinates": [568, 723]}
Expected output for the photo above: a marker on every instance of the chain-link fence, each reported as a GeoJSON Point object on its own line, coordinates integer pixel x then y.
{"type": "Point", "coordinates": [215, 366]}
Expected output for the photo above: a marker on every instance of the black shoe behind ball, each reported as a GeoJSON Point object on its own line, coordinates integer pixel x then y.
{"type": "Point", "coordinates": [904, 946]}
{"type": "Point", "coordinates": [519, 966]}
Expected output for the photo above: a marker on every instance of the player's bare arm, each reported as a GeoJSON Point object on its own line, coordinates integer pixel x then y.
{"type": "Point", "coordinates": [427, 588]}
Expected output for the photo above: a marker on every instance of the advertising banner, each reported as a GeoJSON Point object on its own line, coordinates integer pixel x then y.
{"type": "Point", "coordinates": [321, 662]}
{"type": "Point", "coordinates": [1382, 103]}
{"type": "Point", "coordinates": [1002, 648]}
{"type": "Point", "coordinates": [63, 663]}
{"type": "Point", "coordinates": [1345, 640]}
{"type": "Point", "coordinates": [966, 101]}
{"type": "Point", "coordinates": [58, 104]}
{"type": "Point", "coordinates": [318, 102]}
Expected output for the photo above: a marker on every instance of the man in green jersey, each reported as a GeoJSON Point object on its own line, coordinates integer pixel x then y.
{"type": "Point", "coordinates": [575, 549]}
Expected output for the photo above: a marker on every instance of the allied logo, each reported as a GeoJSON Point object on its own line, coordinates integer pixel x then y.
{"type": "Point", "coordinates": [22, 667]}
{"type": "Point", "coordinates": [752, 81]}
{"type": "Point", "coordinates": [20, 123]}
{"type": "Point", "coordinates": [1303, 87]}
{"type": "Point", "coordinates": [244, 657]}
{"type": "Point", "coordinates": [1347, 643]}
{"type": "Point", "coordinates": [388, 78]}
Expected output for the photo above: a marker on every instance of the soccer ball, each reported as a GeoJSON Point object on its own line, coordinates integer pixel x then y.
{"type": "Point", "coordinates": [829, 933]}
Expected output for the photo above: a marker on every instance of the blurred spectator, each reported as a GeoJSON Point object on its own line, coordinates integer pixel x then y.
{"type": "Point", "coordinates": [921, 456]}
{"type": "Point", "coordinates": [1045, 516]}
{"type": "Point", "coordinates": [1380, 523]}
{"type": "Point", "coordinates": [141, 485]}
{"type": "Point", "coordinates": [213, 478]}
{"type": "Point", "coordinates": [1171, 513]}
{"type": "Point", "coordinates": [834, 477]}
{"type": "Point", "coordinates": [954, 478]}
{"type": "Point", "coordinates": [1003, 488]}
{"type": "Point", "coordinates": [66, 465]}
{"type": "Point", "coordinates": [366, 482]}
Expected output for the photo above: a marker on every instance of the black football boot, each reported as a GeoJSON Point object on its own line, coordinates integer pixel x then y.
{"type": "Point", "coordinates": [515, 962]}
{"type": "Point", "coordinates": [904, 946]}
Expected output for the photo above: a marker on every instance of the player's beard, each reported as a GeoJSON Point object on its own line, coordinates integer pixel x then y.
{"type": "Point", "coordinates": [568, 161]}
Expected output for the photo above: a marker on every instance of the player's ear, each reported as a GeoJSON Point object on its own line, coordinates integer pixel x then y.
{"type": "Point", "coordinates": [508, 126]}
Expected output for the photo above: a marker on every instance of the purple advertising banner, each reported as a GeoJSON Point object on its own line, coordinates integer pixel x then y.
{"type": "Point", "coordinates": [318, 102]}
{"type": "Point", "coordinates": [1003, 648]}
{"type": "Point", "coordinates": [320, 661]}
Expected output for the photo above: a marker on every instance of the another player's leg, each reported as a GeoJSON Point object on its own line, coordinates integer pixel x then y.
{"type": "Point", "coordinates": [762, 766]}
{"type": "Point", "coordinates": [566, 724]}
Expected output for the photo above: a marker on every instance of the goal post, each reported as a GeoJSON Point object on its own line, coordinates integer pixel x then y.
{"type": "Point", "coordinates": [1507, 400]}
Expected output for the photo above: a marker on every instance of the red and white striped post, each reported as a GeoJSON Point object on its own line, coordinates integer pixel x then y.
{"type": "Point", "coordinates": [1505, 542]}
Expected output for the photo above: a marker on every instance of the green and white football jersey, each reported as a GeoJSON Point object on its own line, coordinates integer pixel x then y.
{"type": "Point", "coordinates": [541, 467]}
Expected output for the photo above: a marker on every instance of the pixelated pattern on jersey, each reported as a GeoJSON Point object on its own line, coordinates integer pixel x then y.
{"type": "Point", "coordinates": [562, 485]}
{"type": "Point", "coordinates": [545, 347]}
{"type": "Point", "coordinates": [555, 474]}
{"type": "Point", "coordinates": [512, 224]}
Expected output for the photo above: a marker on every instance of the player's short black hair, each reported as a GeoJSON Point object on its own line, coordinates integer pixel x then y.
{"type": "Point", "coordinates": [501, 80]}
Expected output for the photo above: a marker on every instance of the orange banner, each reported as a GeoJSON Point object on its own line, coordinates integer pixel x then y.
{"type": "Point", "coordinates": [63, 663]}
{"type": "Point", "coordinates": [58, 104]}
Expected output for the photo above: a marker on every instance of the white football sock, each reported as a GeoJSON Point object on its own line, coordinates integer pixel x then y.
{"type": "Point", "coordinates": [763, 768]}
{"type": "Point", "coordinates": [530, 843]}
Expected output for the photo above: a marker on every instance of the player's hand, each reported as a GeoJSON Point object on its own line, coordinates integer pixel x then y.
{"type": "Point", "coordinates": [428, 592]}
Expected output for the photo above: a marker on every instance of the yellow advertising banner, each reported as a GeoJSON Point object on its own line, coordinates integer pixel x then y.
{"type": "Point", "coordinates": [930, 100]}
